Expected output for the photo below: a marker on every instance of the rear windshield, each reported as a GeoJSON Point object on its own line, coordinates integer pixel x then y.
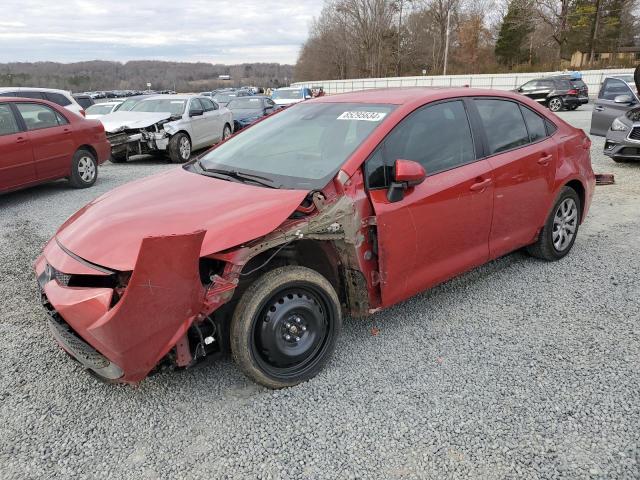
{"type": "Point", "coordinates": [287, 94]}
{"type": "Point", "coordinates": [245, 103]}
{"type": "Point", "coordinates": [99, 109]}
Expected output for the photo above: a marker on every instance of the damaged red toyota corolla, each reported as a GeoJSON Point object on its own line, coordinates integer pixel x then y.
{"type": "Point", "coordinates": [334, 207]}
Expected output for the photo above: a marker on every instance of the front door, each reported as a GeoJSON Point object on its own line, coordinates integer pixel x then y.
{"type": "Point", "coordinates": [16, 161]}
{"type": "Point", "coordinates": [605, 110]}
{"type": "Point", "coordinates": [441, 227]}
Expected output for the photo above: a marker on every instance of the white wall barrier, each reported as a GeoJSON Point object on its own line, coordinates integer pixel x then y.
{"type": "Point", "coordinates": [498, 81]}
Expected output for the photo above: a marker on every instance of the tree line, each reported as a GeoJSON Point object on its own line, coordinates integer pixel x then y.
{"type": "Point", "coordinates": [180, 76]}
{"type": "Point", "coordinates": [379, 38]}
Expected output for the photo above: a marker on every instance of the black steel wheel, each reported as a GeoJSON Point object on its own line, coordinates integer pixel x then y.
{"type": "Point", "coordinates": [285, 326]}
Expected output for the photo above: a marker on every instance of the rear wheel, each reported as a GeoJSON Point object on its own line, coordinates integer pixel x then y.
{"type": "Point", "coordinates": [561, 228]}
{"type": "Point", "coordinates": [555, 104]}
{"type": "Point", "coordinates": [180, 148]}
{"type": "Point", "coordinates": [226, 132]}
{"type": "Point", "coordinates": [285, 326]}
{"type": "Point", "coordinates": [84, 169]}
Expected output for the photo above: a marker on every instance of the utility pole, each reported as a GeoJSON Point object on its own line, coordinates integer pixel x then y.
{"type": "Point", "coordinates": [399, 29]}
{"type": "Point", "coordinates": [446, 43]}
{"type": "Point", "coordinates": [594, 34]}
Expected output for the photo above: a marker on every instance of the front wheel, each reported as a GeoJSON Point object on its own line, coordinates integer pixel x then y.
{"type": "Point", "coordinates": [561, 228]}
{"type": "Point", "coordinates": [180, 148]}
{"type": "Point", "coordinates": [285, 326]}
{"type": "Point", "coordinates": [555, 104]}
{"type": "Point", "coordinates": [84, 169]}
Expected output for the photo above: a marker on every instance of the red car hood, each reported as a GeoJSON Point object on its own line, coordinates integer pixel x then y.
{"type": "Point", "coordinates": [109, 230]}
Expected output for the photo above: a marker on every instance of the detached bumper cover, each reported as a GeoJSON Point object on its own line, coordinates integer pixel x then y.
{"type": "Point", "coordinates": [161, 300]}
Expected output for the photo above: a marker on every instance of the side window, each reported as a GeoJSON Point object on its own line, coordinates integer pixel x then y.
{"type": "Point", "coordinates": [269, 102]}
{"type": "Point", "coordinates": [535, 124]}
{"type": "Point", "coordinates": [57, 98]}
{"type": "Point", "coordinates": [612, 88]}
{"type": "Point", "coordinates": [61, 120]}
{"type": "Point", "coordinates": [29, 94]}
{"type": "Point", "coordinates": [437, 136]}
{"type": "Point", "coordinates": [546, 84]}
{"type": "Point", "coordinates": [195, 105]}
{"type": "Point", "coordinates": [8, 124]}
{"type": "Point", "coordinates": [37, 116]}
{"type": "Point", "coordinates": [503, 124]}
{"type": "Point", "coordinates": [530, 85]}
{"type": "Point", "coordinates": [207, 104]}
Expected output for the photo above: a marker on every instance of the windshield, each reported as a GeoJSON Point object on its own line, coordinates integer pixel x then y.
{"type": "Point", "coordinates": [174, 107]}
{"type": "Point", "coordinates": [99, 109]}
{"type": "Point", "coordinates": [287, 94]}
{"type": "Point", "coordinates": [127, 105]}
{"type": "Point", "coordinates": [245, 103]}
{"type": "Point", "coordinates": [301, 147]}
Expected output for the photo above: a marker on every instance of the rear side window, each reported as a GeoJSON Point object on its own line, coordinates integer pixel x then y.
{"type": "Point", "coordinates": [503, 124]}
{"type": "Point", "coordinates": [37, 117]}
{"type": "Point", "coordinates": [8, 124]}
{"type": "Point", "coordinates": [563, 85]}
{"type": "Point", "coordinates": [57, 98]}
{"type": "Point", "coordinates": [535, 124]}
{"type": "Point", "coordinates": [436, 136]}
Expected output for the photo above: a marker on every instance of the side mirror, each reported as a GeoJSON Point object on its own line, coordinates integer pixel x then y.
{"type": "Point", "coordinates": [407, 174]}
{"type": "Point", "coordinates": [623, 99]}
{"type": "Point", "coordinates": [195, 113]}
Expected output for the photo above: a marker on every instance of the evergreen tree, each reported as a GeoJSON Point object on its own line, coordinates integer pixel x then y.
{"type": "Point", "coordinates": [516, 26]}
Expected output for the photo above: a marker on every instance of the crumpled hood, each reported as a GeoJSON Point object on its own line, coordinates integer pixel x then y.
{"type": "Point", "coordinates": [117, 121]}
{"type": "Point", "coordinates": [109, 230]}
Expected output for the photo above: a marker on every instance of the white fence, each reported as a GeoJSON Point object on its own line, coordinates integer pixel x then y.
{"type": "Point", "coordinates": [499, 81]}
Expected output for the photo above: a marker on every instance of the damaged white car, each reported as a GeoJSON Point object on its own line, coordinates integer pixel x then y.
{"type": "Point", "coordinates": [175, 124]}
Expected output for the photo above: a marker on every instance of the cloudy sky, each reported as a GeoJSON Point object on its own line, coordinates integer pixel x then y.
{"type": "Point", "coordinates": [216, 31]}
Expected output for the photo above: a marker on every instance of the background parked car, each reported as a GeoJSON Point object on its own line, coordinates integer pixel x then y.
{"type": "Point", "coordinates": [247, 110]}
{"type": "Point", "coordinates": [99, 109]}
{"type": "Point", "coordinates": [84, 100]}
{"type": "Point", "coordinates": [555, 93]}
{"type": "Point", "coordinates": [617, 95]}
{"type": "Point", "coordinates": [41, 141]}
{"type": "Point", "coordinates": [175, 124]}
{"type": "Point", "coordinates": [59, 97]}
{"type": "Point", "coordinates": [290, 95]}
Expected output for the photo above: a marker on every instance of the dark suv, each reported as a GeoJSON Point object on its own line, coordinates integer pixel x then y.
{"type": "Point", "coordinates": [554, 92]}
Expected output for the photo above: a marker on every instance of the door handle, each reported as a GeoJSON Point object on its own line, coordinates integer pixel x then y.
{"type": "Point", "coordinates": [544, 161]}
{"type": "Point", "coordinates": [66, 131]}
{"type": "Point", "coordinates": [598, 108]}
{"type": "Point", "coordinates": [477, 187]}
{"type": "Point", "coordinates": [21, 140]}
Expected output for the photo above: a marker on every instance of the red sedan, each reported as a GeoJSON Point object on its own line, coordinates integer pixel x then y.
{"type": "Point", "coordinates": [41, 141]}
{"type": "Point", "coordinates": [338, 206]}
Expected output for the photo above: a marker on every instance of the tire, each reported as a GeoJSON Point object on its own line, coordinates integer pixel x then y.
{"type": "Point", "coordinates": [561, 228]}
{"type": "Point", "coordinates": [180, 148]}
{"type": "Point", "coordinates": [285, 326]}
{"type": "Point", "coordinates": [84, 169]}
{"type": "Point", "coordinates": [226, 132]}
{"type": "Point", "coordinates": [555, 104]}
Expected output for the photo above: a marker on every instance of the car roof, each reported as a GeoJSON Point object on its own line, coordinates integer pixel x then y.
{"type": "Point", "coordinates": [37, 89]}
{"type": "Point", "coordinates": [412, 95]}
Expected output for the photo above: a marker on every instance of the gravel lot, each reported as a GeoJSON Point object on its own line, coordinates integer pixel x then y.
{"type": "Point", "coordinates": [519, 369]}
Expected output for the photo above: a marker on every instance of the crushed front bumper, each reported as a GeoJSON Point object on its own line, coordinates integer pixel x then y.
{"type": "Point", "coordinates": [122, 338]}
{"type": "Point", "coordinates": [618, 146]}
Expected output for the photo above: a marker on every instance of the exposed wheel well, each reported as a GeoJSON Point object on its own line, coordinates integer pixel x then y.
{"type": "Point", "coordinates": [90, 149]}
{"type": "Point", "coordinates": [579, 189]}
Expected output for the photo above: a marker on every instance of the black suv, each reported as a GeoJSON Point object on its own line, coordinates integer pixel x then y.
{"type": "Point", "coordinates": [554, 92]}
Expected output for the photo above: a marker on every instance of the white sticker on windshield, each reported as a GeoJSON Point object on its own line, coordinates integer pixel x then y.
{"type": "Point", "coordinates": [366, 116]}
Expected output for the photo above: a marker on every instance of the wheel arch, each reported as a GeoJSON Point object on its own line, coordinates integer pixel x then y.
{"type": "Point", "coordinates": [577, 185]}
{"type": "Point", "coordinates": [90, 149]}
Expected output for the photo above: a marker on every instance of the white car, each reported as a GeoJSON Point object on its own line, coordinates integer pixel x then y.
{"type": "Point", "coordinates": [59, 97]}
{"type": "Point", "coordinates": [175, 124]}
{"type": "Point", "coordinates": [98, 110]}
{"type": "Point", "coordinates": [290, 95]}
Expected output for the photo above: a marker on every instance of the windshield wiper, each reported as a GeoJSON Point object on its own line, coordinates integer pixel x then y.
{"type": "Point", "coordinates": [242, 177]}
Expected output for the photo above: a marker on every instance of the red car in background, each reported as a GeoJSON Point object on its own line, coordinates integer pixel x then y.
{"type": "Point", "coordinates": [341, 205]}
{"type": "Point", "coordinates": [41, 141]}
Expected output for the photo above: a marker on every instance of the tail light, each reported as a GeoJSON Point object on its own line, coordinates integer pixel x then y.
{"type": "Point", "coordinates": [573, 91]}
{"type": "Point", "coordinates": [82, 112]}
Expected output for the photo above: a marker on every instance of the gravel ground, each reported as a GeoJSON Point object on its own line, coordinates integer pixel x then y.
{"type": "Point", "coordinates": [518, 369]}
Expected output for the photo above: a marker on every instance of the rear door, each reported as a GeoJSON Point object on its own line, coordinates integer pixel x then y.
{"type": "Point", "coordinates": [199, 125]}
{"type": "Point", "coordinates": [605, 109]}
{"type": "Point", "coordinates": [215, 121]}
{"type": "Point", "coordinates": [51, 137]}
{"type": "Point", "coordinates": [441, 227]}
{"type": "Point", "coordinates": [523, 158]}
{"type": "Point", "coordinates": [17, 167]}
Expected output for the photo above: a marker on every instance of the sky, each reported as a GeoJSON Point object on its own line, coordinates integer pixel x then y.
{"type": "Point", "coordinates": [215, 31]}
